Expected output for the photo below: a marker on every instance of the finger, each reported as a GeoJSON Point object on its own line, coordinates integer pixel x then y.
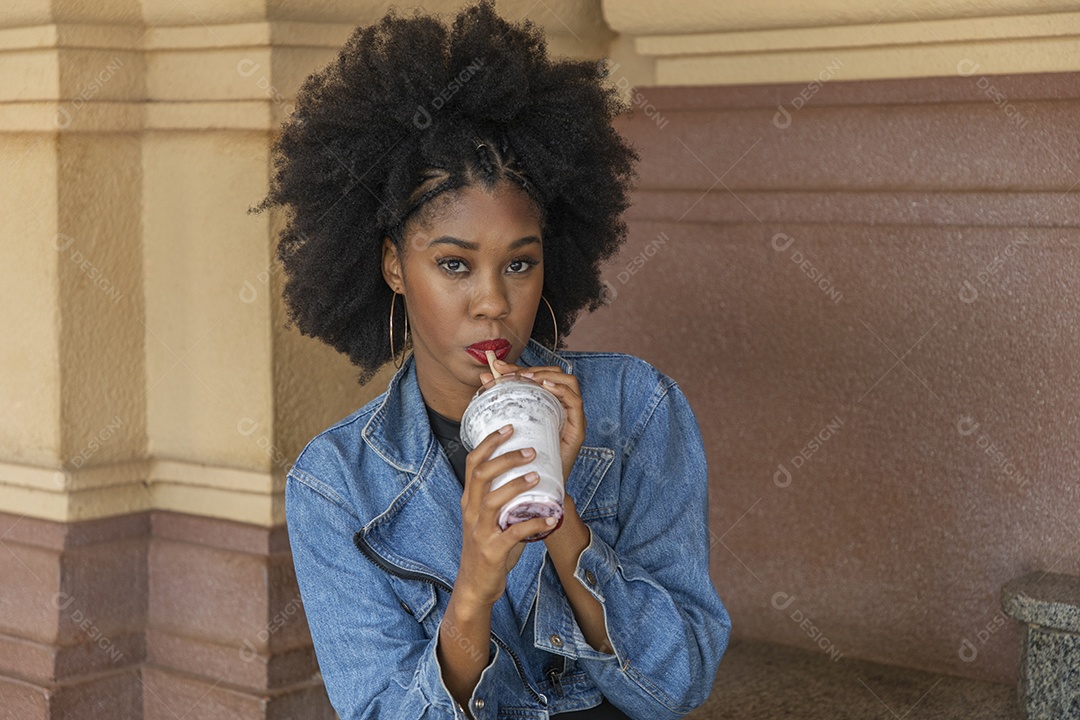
{"type": "Point", "coordinates": [560, 389]}
{"type": "Point", "coordinates": [486, 448]}
{"type": "Point", "coordinates": [551, 368]}
{"type": "Point", "coordinates": [486, 377]}
{"type": "Point", "coordinates": [556, 377]}
{"type": "Point", "coordinates": [495, 499]}
{"type": "Point", "coordinates": [505, 367]}
{"type": "Point", "coordinates": [487, 472]}
{"type": "Point", "coordinates": [535, 526]}
{"type": "Point", "coordinates": [504, 463]}
{"type": "Point", "coordinates": [567, 394]}
{"type": "Point", "coordinates": [552, 372]}
{"type": "Point", "coordinates": [479, 455]}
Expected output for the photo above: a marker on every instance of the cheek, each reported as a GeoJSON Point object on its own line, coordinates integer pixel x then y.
{"type": "Point", "coordinates": [528, 294]}
{"type": "Point", "coordinates": [437, 306]}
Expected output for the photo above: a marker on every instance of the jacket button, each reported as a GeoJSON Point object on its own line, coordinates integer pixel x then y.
{"type": "Point", "coordinates": [556, 641]}
{"type": "Point", "coordinates": [479, 703]}
{"type": "Point", "coordinates": [406, 607]}
{"type": "Point", "coordinates": [590, 577]}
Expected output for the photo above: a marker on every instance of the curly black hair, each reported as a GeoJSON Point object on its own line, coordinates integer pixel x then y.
{"type": "Point", "coordinates": [412, 109]}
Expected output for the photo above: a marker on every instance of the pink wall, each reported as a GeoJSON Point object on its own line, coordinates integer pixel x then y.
{"type": "Point", "coordinates": [944, 226]}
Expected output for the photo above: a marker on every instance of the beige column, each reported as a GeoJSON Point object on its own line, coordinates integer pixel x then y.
{"type": "Point", "coordinates": [74, 437]}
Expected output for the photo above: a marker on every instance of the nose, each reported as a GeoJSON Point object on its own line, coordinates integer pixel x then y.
{"type": "Point", "coordinates": [490, 299]}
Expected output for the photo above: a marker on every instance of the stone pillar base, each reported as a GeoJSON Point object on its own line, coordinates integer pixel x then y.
{"type": "Point", "coordinates": [169, 695]}
{"type": "Point", "coordinates": [155, 615]}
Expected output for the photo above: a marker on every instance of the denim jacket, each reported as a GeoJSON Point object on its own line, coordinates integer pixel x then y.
{"type": "Point", "coordinates": [374, 516]}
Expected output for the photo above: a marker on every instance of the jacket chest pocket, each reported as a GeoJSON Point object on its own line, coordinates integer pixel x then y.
{"type": "Point", "coordinates": [600, 480]}
{"type": "Point", "coordinates": [417, 600]}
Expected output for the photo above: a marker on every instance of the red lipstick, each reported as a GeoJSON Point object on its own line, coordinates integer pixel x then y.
{"type": "Point", "coordinates": [500, 346]}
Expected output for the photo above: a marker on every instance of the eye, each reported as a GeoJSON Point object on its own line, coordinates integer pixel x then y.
{"type": "Point", "coordinates": [459, 267]}
{"type": "Point", "coordinates": [446, 262]}
{"type": "Point", "coordinates": [528, 262]}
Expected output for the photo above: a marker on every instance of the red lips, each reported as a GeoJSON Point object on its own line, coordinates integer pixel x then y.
{"type": "Point", "coordinates": [500, 346]}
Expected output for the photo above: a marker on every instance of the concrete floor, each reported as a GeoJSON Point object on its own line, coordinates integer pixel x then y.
{"type": "Point", "coordinates": [766, 682]}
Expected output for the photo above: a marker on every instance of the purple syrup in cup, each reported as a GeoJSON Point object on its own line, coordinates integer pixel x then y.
{"type": "Point", "coordinates": [538, 417]}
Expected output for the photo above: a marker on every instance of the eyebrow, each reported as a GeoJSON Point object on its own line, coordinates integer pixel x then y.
{"type": "Point", "coordinates": [447, 240]}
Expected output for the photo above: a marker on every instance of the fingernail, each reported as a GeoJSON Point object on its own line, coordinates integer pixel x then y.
{"type": "Point", "coordinates": [550, 521]}
{"type": "Point", "coordinates": [504, 429]}
{"type": "Point", "coordinates": [528, 452]}
{"type": "Point", "coordinates": [549, 383]}
{"type": "Point", "coordinates": [532, 478]}
{"type": "Point", "coordinates": [528, 374]}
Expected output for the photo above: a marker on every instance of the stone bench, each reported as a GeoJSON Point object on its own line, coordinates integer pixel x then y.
{"type": "Point", "coordinates": [1049, 607]}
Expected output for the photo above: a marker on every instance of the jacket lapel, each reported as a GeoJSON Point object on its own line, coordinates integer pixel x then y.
{"type": "Point", "coordinates": [420, 530]}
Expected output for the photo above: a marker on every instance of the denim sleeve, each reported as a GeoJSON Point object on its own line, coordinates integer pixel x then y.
{"type": "Point", "coordinates": [376, 661]}
{"type": "Point", "coordinates": [666, 624]}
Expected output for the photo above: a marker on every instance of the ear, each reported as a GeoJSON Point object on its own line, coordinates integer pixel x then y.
{"type": "Point", "coordinates": [391, 266]}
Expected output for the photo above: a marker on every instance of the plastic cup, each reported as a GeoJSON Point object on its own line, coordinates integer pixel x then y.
{"type": "Point", "coordinates": [537, 417]}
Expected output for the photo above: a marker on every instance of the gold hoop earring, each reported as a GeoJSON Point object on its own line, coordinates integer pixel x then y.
{"type": "Point", "coordinates": [393, 353]}
{"type": "Point", "coordinates": [554, 322]}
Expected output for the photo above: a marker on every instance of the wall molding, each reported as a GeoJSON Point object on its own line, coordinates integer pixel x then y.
{"type": "Point", "coordinates": [895, 47]}
{"type": "Point", "coordinates": [100, 491]}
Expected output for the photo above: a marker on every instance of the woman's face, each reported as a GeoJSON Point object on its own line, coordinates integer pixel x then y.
{"type": "Point", "coordinates": [473, 271]}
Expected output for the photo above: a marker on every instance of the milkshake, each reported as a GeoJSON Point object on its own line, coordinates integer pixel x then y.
{"type": "Point", "coordinates": [537, 417]}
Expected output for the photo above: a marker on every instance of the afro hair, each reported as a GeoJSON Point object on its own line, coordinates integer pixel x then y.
{"type": "Point", "coordinates": [411, 109]}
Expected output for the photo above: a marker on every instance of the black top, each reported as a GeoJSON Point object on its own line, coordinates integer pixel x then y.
{"type": "Point", "coordinates": [448, 433]}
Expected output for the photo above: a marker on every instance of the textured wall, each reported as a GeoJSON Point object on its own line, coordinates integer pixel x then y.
{"type": "Point", "coordinates": [871, 306]}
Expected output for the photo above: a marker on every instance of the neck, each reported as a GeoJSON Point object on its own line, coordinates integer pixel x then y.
{"type": "Point", "coordinates": [445, 396]}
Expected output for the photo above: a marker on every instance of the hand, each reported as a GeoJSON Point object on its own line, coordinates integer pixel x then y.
{"type": "Point", "coordinates": [487, 552]}
{"type": "Point", "coordinates": [565, 387]}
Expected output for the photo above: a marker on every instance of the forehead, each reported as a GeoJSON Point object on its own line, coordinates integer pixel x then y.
{"type": "Point", "coordinates": [475, 212]}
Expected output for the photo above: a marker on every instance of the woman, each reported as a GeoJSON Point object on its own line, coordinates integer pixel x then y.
{"type": "Point", "coordinates": [480, 181]}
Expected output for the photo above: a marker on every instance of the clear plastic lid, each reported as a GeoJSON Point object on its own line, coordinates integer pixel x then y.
{"type": "Point", "coordinates": [495, 387]}
{"type": "Point", "coordinates": [504, 379]}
